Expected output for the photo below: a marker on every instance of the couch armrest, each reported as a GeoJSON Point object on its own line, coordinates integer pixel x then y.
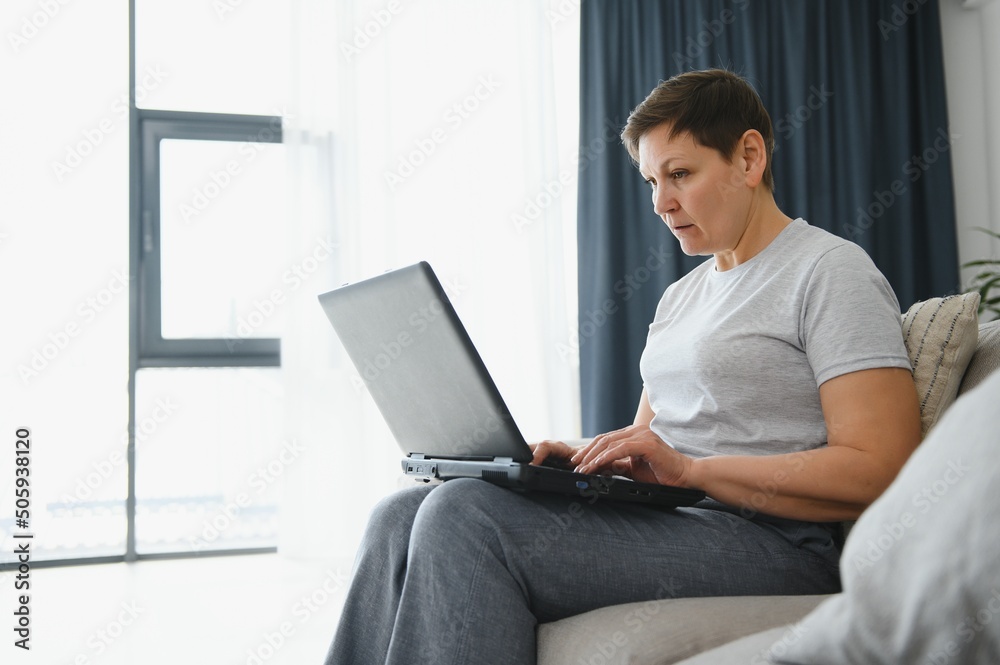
{"type": "Point", "coordinates": [660, 632]}
{"type": "Point", "coordinates": [750, 649]}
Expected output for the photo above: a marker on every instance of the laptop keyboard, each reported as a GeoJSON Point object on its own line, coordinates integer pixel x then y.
{"type": "Point", "coordinates": [558, 463]}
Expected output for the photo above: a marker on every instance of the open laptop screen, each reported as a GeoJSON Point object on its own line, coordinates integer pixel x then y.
{"type": "Point", "coordinates": [420, 367]}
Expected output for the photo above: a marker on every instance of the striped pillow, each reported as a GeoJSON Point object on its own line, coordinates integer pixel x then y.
{"type": "Point", "coordinates": [940, 336]}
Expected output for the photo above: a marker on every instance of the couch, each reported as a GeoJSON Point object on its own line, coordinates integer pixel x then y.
{"type": "Point", "coordinates": [921, 582]}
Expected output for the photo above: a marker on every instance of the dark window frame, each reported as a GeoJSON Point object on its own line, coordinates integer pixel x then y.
{"type": "Point", "coordinates": [154, 350]}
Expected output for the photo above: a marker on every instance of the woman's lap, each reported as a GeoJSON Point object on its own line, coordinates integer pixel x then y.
{"type": "Point", "coordinates": [571, 554]}
{"type": "Point", "coordinates": [468, 566]}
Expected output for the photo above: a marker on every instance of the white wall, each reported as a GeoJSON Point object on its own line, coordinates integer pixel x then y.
{"type": "Point", "coordinates": [971, 42]}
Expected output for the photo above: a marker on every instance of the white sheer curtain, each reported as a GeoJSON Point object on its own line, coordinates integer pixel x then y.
{"type": "Point", "coordinates": [437, 130]}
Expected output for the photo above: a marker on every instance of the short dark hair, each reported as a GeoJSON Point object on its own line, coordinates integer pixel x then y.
{"type": "Point", "coordinates": [715, 106]}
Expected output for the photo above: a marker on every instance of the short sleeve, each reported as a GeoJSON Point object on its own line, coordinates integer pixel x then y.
{"type": "Point", "coordinates": [851, 319]}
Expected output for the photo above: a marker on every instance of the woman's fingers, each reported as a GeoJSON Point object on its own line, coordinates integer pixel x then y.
{"type": "Point", "coordinates": [614, 450]}
{"type": "Point", "coordinates": [632, 451]}
{"type": "Point", "coordinates": [545, 449]}
{"type": "Point", "coordinates": [645, 457]}
{"type": "Point", "coordinates": [587, 454]}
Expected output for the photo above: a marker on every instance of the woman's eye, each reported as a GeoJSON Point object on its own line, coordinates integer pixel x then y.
{"type": "Point", "coordinates": [677, 175]}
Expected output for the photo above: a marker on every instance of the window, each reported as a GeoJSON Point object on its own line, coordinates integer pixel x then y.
{"type": "Point", "coordinates": [208, 240]}
{"type": "Point", "coordinates": [210, 246]}
{"type": "Point", "coordinates": [211, 237]}
{"type": "Point", "coordinates": [145, 352]}
{"type": "Point", "coordinates": [208, 473]}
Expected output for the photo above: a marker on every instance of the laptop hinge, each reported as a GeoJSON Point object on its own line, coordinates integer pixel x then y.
{"type": "Point", "coordinates": [503, 460]}
{"type": "Point", "coordinates": [417, 456]}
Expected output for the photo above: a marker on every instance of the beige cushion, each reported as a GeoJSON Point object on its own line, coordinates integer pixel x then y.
{"type": "Point", "coordinates": [940, 336]}
{"type": "Point", "coordinates": [986, 359]}
{"type": "Point", "coordinates": [661, 632]}
{"type": "Point", "coordinates": [750, 650]}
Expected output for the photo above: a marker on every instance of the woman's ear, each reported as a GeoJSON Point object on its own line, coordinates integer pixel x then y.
{"type": "Point", "coordinates": [753, 155]}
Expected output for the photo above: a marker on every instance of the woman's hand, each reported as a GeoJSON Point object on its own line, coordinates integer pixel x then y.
{"type": "Point", "coordinates": [551, 449]}
{"type": "Point", "coordinates": [637, 453]}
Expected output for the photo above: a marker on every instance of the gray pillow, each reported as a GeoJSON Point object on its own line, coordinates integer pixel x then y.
{"type": "Point", "coordinates": [986, 359]}
{"type": "Point", "coordinates": [921, 568]}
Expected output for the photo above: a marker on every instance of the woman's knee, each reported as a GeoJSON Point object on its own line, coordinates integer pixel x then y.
{"type": "Point", "coordinates": [460, 507]}
{"type": "Point", "coordinates": [394, 515]}
{"type": "Point", "coordinates": [465, 495]}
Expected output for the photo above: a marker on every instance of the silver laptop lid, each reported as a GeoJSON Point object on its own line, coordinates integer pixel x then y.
{"type": "Point", "coordinates": [419, 365]}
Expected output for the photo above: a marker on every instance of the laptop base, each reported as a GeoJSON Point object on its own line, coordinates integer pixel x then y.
{"type": "Point", "coordinates": [520, 476]}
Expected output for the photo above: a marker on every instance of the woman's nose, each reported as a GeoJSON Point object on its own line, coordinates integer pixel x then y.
{"type": "Point", "coordinates": [664, 201]}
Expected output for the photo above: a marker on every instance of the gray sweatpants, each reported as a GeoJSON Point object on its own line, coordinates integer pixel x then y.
{"type": "Point", "coordinates": [463, 572]}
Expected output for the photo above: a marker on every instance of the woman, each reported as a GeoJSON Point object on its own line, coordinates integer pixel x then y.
{"type": "Point", "coordinates": [775, 379]}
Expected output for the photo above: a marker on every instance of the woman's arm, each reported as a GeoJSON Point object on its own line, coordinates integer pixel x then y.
{"type": "Point", "coordinates": [644, 414]}
{"type": "Point", "coordinates": [873, 425]}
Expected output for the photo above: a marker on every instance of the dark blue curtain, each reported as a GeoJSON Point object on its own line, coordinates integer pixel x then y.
{"type": "Point", "coordinates": [856, 94]}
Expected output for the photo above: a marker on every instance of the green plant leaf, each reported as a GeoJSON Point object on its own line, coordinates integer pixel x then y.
{"type": "Point", "coordinates": [988, 280]}
{"type": "Point", "coordinates": [990, 283]}
{"type": "Point", "coordinates": [987, 231]}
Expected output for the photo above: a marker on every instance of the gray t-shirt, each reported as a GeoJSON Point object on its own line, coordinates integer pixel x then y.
{"type": "Point", "coordinates": [734, 360]}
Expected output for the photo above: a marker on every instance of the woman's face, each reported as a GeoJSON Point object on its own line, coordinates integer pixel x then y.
{"type": "Point", "coordinates": [705, 200]}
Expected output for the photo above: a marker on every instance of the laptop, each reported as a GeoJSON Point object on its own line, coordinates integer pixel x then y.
{"type": "Point", "coordinates": [439, 401]}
